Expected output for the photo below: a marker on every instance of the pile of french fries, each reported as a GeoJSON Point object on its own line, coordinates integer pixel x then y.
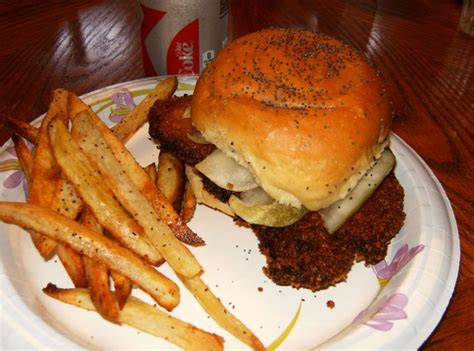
{"type": "Point", "coordinates": [112, 223]}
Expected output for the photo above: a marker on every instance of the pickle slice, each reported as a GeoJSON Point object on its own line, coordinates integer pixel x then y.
{"type": "Point", "coordinates": [339, 212]}
{"type": "Point", "coordinates": [274, 214]}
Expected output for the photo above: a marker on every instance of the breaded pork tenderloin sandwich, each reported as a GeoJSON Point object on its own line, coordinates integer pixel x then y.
{"type": "Point", "coordinates": [288, 132]}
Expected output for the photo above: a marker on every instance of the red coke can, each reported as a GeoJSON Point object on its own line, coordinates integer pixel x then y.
{"type": "Point", "coordinates": [181, 36]}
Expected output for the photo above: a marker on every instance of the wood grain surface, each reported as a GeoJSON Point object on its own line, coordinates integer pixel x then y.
{"type": "Point", "coordinates": [427, 62]}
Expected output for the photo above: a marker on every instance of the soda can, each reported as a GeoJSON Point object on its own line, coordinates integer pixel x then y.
{"type": "Point", "coordinates": [181, 36]}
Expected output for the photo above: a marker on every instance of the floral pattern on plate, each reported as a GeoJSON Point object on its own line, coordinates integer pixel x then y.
{"type": "Point", "coordinates": [381, 314]}
{"type": "Point", "coordinates": [386, 309]}
{"type": "Point", "coordinates": [17, 178]}
{"type": "Point", "coordinates": [123, 104]}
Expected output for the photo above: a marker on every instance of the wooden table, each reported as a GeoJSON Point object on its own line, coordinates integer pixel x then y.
{"type": "Point", "coordinates": [427, 62]}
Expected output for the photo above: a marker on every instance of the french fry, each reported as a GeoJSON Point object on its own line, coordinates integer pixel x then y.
{"type": "Point", "coordinates": [76, 105]}
{"type": "Point", "coordinates": [214, 307]}
{"type": "Point", "coordinates": [96, 246]}
{"type": "Point", "coordinates": [99, 198]}
{"type": "Point", "coordinates": [24, 129]}
{"type": "Point", "coordinates": [148, 319]}
{"type": "Point", "coordinates": [63, 201]}
{"type": "Point", "coordinates": [72, 262]}
{"type": "Point", "coordinates": [139, 177]}
{"type": "Point", "coordinates": [104, 301]}
{"type": "Point", "coordinates": [88, 131]}
{"type": "Point", "coordinates": [128, 126]}
{"type": "Point", "coordinates": [151, 171]}
{"type": "Point", "coordinates": [125, 129]}
{"type": "Point", "coordinates": [123, 288]}
{"type": "Point", "coordinates": [139, 115]}
{"type": "Point", "coordinates": [188, 205]}
{"type": "Point", "coordinates": [96, 272]}
{"type": "Point", "coordinates": [25, 156]}
{"type": "Point", "coordinates": [66, 200]}
{"type": "Point", "coordinates": [122, 132]}
{"type": "Point", "coordinates": [98, 277]}
{"type": "Point", "coordinates": [170, 178]}
{"type": "Point", "coordinates": [91, 170]}
{"type": "Point", "coordinates": [46, 174]}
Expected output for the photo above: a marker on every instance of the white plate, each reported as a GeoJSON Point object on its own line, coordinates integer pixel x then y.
{"type": "Point", "coordinates": [400, 311]}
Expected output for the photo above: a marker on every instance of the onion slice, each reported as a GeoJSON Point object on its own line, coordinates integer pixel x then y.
{"type": "Point", "coordinates": [197, 137]}
{"type": "Point", "coordinates": [256, 196]}
{"type": "Point", "coordinates": [225, 172]}
{"type": "Point", "coordinates": [339, 212]}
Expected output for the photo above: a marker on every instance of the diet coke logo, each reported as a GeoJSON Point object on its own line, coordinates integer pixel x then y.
{"type": "Point", "coordinates": [183, 52]}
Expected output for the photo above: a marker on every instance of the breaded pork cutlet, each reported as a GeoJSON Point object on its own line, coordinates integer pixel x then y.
{"type": "Point", "coordinates": [171, 126]}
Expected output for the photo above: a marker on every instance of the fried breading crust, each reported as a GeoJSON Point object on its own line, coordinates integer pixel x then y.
{"type": "Point", "coordinates": [171, 129]}
{"type": "Point", "coordinates": [304, 255]}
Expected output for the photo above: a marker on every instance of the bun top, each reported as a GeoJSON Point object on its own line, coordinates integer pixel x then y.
{"type": "Point", "coordinates": [304, 112]}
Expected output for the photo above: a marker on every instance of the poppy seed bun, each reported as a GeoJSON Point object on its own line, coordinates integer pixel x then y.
{"type": "Point", "coordinates": [304, 112]}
